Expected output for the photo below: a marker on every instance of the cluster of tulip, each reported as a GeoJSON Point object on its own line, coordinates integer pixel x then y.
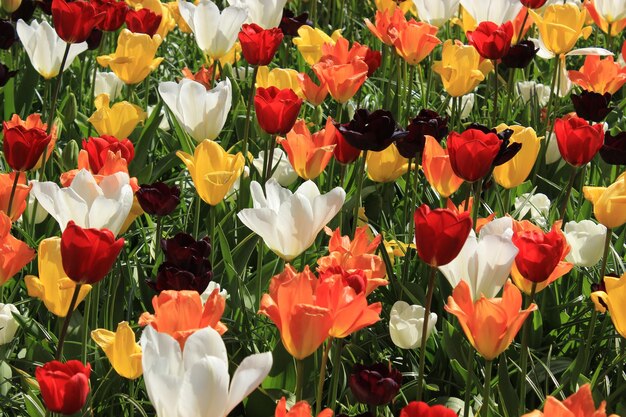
{"type": "Point", "coordinates": [379, 165]}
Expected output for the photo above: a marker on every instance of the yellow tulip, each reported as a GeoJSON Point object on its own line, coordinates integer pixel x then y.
{"type": "Point", "coordinates": [609, 203]}
{"type": "Point", "coordinates": [134, 57]}
{"type": "Point", "coordinates": [213, 170]}
{"type": "Point", "coordinates": [135, 211]}
{"type": "Point", "coordinates": [391, 5]}
{"type": "Point", "coordinates": [53, 286]}
{"type": "Point", "coordinates": [395, 249]}
{"type": "Point", "coordinates": [310, 41]}
{"type": "Point", "coordinates": [560, 26]}
{"type": "Point", "coordinates": [121, 349]}
{"type": "Point", "coordinates": [461, 68]}
{"type": "Point", "coordinates": [280, 78]}
{"type": "Point", "coordinates": [614, 298]}
{"type": "Point", "coordinates": [231, 56]}
{"type": "Point", "coordinates": [118, 120]}
{"type": "Point", "coordinates": [178, 19]}
{"type": "Point", "coordinates": [514, 172]}
{"type": "Point", "coordinates": [387, 165]}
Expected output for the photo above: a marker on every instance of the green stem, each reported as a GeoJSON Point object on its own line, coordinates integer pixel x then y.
{"type": "Point", "coordinates": [509, 94]}
{"type": "Point", "coordinates": [299, 379]}
{"type": "Point", "coordinates": [12, 195]}
{"type": "Point", "coordinates": [157, 237]}
{"type": "Point", "coordinates": [422, 360]}
{"type": "Point", "coordinates": [605, 252]}
{"type": "Point", "coordinates": [487, 388]}
{"type": "Point", "coordinates": [322, 377]}
{"type": "Point", "coordinates": [57, 88]}
{"type": "Point", "coordinates": [334, 377]}
{"type": "Point", "coordinates": [478, 187]}
{"type": "Point", "coordinates": [494, 114]}
{"type": "Point", "coordinates": [359, 188]}
{"type": "Point", "coordinates": [196, 224]}
{"type": "Point", "coordinates": [468, 381]}
{"type": "Point", "coordinates": [66, 322]}
{"type": "Point", "coordinates": [568, 192]}
{"type": "Point", "coordinates": [524, 354]}
{"type": "Point", "coordinates": [270, 160]}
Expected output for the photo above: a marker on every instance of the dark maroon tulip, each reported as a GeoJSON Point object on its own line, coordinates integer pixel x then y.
{"type": "Point", "coordinates": [520, 55]}
{"type": "Point", "coordinates": [290, 23]}
{"type": "Point", "coordinates": [5, 74]}
{"type": "Point", "coordinates": [8, 35]}
{"type": "Point", "coordinates": [376, 384]}
{"type": "Point", "coordinates": [93, 41]}
{"type": "Point", "coordinates": [45, 6]}
{"type": "Point", "coordinates": [592, 106]}
{"type": "Point", "coordinates": [613, 152]}
{"type": "Point", "coordinates": [143, 21]}
{"type": "Point", "coordinates": [427, 122]}
{"type": "Point", "coordinates": [158, 198]}
{"type": "Point", "coordinates": [115, 14]}
{"type": "Point", "coordinates": [371, 131]}
{"type": "Point", "coordinates": [25, 11]}
{"type": "Point", "coordinates": [172, 278]}
{"type": "Point", "coordinates": [533, 4]}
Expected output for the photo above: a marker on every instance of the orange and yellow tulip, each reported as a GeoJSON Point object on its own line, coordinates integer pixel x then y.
{"type": "Point", "coordinates": [313, 93]}
{"type": "Point", "coordinates": [19, 199]}
{"type": "Point", "coordinates": [490, 324]}
{"type": "Point", "coordinates": [14, 254]}
{"type": "Point", "coordinates": [386, 21]}
{"type": "Point", "coordinates": [414, 41]}
{"type": "Point", "coordinates": [309, 154]}
{"type": "Point", "coordinates": [579, 404]}
{"type": "Point", "coordinates": [599, 75]}
{"type": "Point", "coordinates": [310, 41]}
{"type": "Point", "coordinates": [438, 169]}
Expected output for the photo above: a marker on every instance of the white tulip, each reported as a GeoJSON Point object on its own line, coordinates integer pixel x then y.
{"type": "Point", "coordinates": [40, 214]}
{"type": "Point", "coordinates": [406, 323]}
{"type": "Point", "coordinates": [289, 222]}
{"type": "Point", "coordinates": [538, 205]}
{"type": "Point", "coordinates": [8, 324]}
{"type": "Point", "coordinates": [436, 13]}
{"type": "Point", "coordinates": [611, 10]}
{"type": "Point", "coordinates": [467, 104]}
{"type": "Point", "coordinates": [215, 32]}
{"type": "Point", "coordinates": [552, 149]}
{"type": "Point", "coordinates": [89, 204]}
{"type": "Point", "coordinates": [496, 11]}
{"type": "Point", "coordinates": [534, 93]}
{"type": "Point", "coordinates": [200, 112]}
{"type": "Point", "coordinates": [283, 171]}
{"type": "Point", "coordinates": [195, 382]}
{"type": "Point", "coordinates": [45, 48]}
{"type": "Point", "coordinates": [209, 290]}
{"type": "Point", "coordinates": [586, 240]}
{"type": "Point", "coordinates": [108, 83]}
{"type": "Point", "coordinates": [484, 262]}
{"type": "Point", "coordinates": [265, 13]}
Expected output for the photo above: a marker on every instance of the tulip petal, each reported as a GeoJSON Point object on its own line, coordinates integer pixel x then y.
{"type": "Point", "coordinates": [248, 376]}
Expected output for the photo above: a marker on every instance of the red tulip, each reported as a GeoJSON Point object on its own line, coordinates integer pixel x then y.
{"type": "Point", "coordinates": [88, 254]}
{"type": "Point", "coordinates": [75, 21]}
{"type": "Point", "coordinates": [533, 4]}
{"type": "Point", "coordinates": [64, 386]}
{"type": "Point", "coordinates": [421, 409]}
{"type": "Point", "coordinates": [23, 146]}
{"type": "Point", "coordinates": [259, 45]}
{"type": "Point", "coordinates": [472, 153]}
{"type": "Point", "coordinates": [276, 110]}
{"type": "Point", "coordinates": [578, 141]}
{"type": "Point", "coordinates": [143, 21]}
{"type": "Point", "coordinates": [490, 40]}
{"type": "Point", "coordinates": [344, 152]}
{"type": "Point", "coordinates": [440, 234]}
{"type": "Point", "coordinates": [98, 150]}
{"type": "Point", "coordinates": [114, 14]}
{"type": "Point", "coordinates": [539, 253]}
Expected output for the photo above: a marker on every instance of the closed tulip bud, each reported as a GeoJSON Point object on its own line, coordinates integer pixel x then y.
{"type": "Point", "coordinates": [539, 253]}
{"type": "Point", "coordinates": [472, 153]}
{"type": "Point", "coordinates": [143, 21]}
{"type": "Point", "coordinates": [376, 384]}
{"type": "Point", "coordinates": [578, 141]}
{"type": "Point", "coordinates": [490, 40]}
{"type": "Point", "coordinates": [609, 203]}
{"type": "Point", "coordinates": [64, 386]}
{"type": "Point", "coordinates": [613, 152]}
{"type": "Point", "coordinates": [538, 205]}
{"type": "Point", "coordinates": [427, 122]}
{"type": "Point", "coordinates": [290, 23]}
{"type": "Point", "coordinates": [561, 26]}
{"type": "Point", "coordinates": [158, 198]}
{"type": "Point", "coordinates": [75, 21]}
{"type": "Point", "coordinates": [114, 14]}
{"type": "Point", "coordinates": [520, 55]}
{"type": "Point", "coordinates": [533, 93]}
{"type": "Point", "coordinates": [276, 110]}
{"type": "Point", "coordinates": [406, 323]}
{"type": "Point", "coordinates": [282, 171]}
{"type": "Point", "coordinates": [69, 155]}
{"type": "Point", "coordinates": [440, 234]}
{"type": "Point", "coordinates": [593, 107]}
{"type": "Point", "coordinates": [88, 254]}
{"type": "Point", "coordinates": [259, 45]}
{"type": "Point", "coordinates": [371, 131]}
{"type": "Point", "coordinates": [10, 6]}
{"type": "Point", "coordinates": [421, 409]}
{"type": "Point", "coordinates": [23, 146]}
{"type": "Point", "coordinates": [121, 349]}
{"type": "Point", "coordinates": [8, 324]}
{"type": "Point", "coordinates": [586, 240]}
{"type": "Point", "coordinates": [461, 68]}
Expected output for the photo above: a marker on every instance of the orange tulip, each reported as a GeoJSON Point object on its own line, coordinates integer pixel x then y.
{"type": "Point", "coordinates": [561, 269]}
{"type": "Point", "coordinates": [114, 163]}
{"type": "Point", "coordinates": [438, 169]}
{"type": "Point", "coordinates": [343, 81]}
{"type": "Point", "coordinates": [309, 154]}
{"type": "Point", "coordinates": [299, 409]}
{"type": "Point", "coordinates": [181, 313]}
{"type": "Point", "coordinates": [385, 21]}
{"type": "Point", "coordinates": [14, 254]}
{"type": "Point", "coordinates": [466, 206]}
{"type": "Point", "coordinates": [599, 75]}
{"type": "Point", "coordinates": [19, 199]}
{"type": "Point", "coordinates": [415, 41]}
{"type": "Point", "coordinates": [490, 324]}
{"type": "Point", "coordinates": [303, 323]}
{"type": "Point", "coordinates": [358, 254]}
{"type": "Point", "coordinates": [313, 93]}
{"type": "Point", "coordinates": [579, 404]}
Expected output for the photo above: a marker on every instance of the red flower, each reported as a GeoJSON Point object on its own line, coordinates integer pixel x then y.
{"type": "Point", "coordinates": [373, 60]}
{"type": "Point", "coordinates": [74, 21]}
{"type": "Point", "coordinates": [259, 45]}
{"type": "Point", "coordinates": [143, 21]}
{"type": "Point", "coordinates": [344, 152]}
{"type": "Point", "coordinates": [23, 147]}
{"type": "Point", "coordinates": [114, 14]}
{"type": "Point", "coordinates": [578, 141]}
{"type": "Point", "coordinates": [472, 153]}
{"type": "Point", "coordinates": [533, 4]}
{"type": "Point", "coordinates": [64, 386]}
{"type": "Point", "coordinates": [98, 150]}
{"type": "Point", "coordinates": [88, 254]}
{"type": "Point", "coordinates": [421, 409]}
{"type": "Point", "coordinates": [440, 234]}
{"type": "Point", "coordinates": [490, 40]}
{"type": "Point", "coordinates": [276, 110]}
{"type": "Point", "coordinates": [539, 253]}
